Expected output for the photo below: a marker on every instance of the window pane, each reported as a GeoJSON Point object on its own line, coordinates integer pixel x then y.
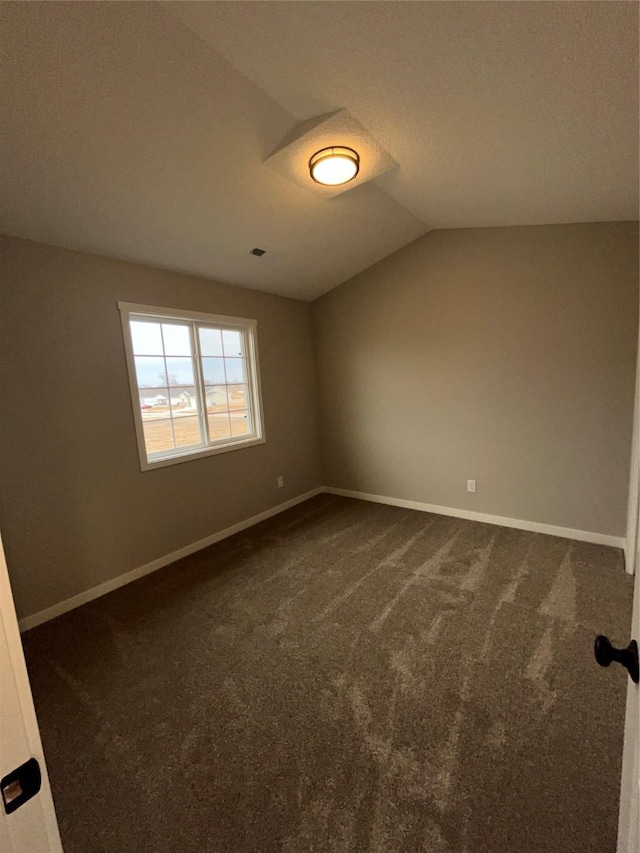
{"type": "Point", "coordinates": [217, 398]}
{"type": "Point", "coordinates": [240, 423]}
{"type": "Point", "coordinates": [219, 427]}
{"type": "Point", "coordinates": [210, 341]}
{"type": "Point", "coordinates": [180, 371]}
{"type": "Point", "coordinates": [186, 431]}
{"type": "Point", "coordinates": [154, 403]}
{"type": "Point", "coordinates": [232, 342]}
{"type": "Point", "coordinates": [146, 338]}
{"type": "Point", "coordinates": [213, 371]}
{"type": "Point", "coordinates": [235, 368]}
{"type": "Point", "coordinates": [158, 435]}
{"type": "Point", "coordinates": [150, 372]}
{"type": "Point", "coordinates": [184, 401]}
{"type": "Point", "coordinates": [176, 339]}
{"type": "Point", "coordinates": [238, 397]}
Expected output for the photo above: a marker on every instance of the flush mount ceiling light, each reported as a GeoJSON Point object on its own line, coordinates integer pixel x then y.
{"type": "Point", "coordinates": [334, 166]}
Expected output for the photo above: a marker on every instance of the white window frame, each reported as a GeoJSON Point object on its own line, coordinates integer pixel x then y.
{"type": "Point", "coordinates": [249, 329]}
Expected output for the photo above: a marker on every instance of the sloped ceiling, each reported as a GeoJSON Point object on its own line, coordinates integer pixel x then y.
{"type": "Point", "coordinates": [140, 130]}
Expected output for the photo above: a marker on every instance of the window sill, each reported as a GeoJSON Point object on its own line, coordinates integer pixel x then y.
{"type": "Point", "coordinates": [189, 455]}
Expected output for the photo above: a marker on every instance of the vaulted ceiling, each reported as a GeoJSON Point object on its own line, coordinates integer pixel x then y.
{"type": "Point", "coordinates": [141, 130]}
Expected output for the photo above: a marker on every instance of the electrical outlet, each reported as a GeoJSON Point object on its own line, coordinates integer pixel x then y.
{"type": "Point", "coordinates": [280, 482]}
{"type": "Point", "coordinates": [471, 485]}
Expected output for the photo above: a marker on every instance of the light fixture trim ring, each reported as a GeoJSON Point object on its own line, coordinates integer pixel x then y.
{"type": "Point", "coordinates": [329, 153]}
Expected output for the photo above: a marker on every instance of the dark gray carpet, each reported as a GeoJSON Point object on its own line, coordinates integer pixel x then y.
{"type": "Point", "coordinates": [343, 677]}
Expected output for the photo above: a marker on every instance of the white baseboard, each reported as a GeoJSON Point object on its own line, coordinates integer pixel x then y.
{"type": "Point", "coordinates": [97, 591]}
{"type": "Point", "coordinates": [532, 526]}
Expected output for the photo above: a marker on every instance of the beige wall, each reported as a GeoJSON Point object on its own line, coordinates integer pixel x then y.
{"type": "Point", "coordinates": [505, 355]}
{"type": "Point", "coordinates": [75, 508]}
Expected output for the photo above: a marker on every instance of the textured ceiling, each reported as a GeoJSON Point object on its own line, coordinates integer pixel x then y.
{"type": "Point", "coordinates": [140, 130]}
{"type": "Point", "coordinates": [498, 113]}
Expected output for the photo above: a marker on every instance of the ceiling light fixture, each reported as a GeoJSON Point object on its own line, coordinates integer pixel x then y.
{"type": "Point", "coordinates": [334, 166]}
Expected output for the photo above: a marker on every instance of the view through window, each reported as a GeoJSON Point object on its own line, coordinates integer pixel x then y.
{"type": "Point", "coordinates": [196, 382]}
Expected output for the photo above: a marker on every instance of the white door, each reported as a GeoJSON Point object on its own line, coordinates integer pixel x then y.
{"type": "Point", "coordinates": [29, 827]}
{"type": "Point", "coordinates": [629, 821]}
{"type": "Point", "coordinates": [629, 824]}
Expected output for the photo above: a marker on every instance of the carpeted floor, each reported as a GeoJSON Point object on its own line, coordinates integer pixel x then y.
{"type": "Point", "coordinates": [343, 677]}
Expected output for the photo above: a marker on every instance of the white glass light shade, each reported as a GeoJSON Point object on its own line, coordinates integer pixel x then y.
{"type": "Point", "coordinates": [334, 166]}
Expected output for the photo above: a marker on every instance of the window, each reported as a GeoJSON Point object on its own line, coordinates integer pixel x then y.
{"type": "Point", "coordinates": [194, 383]}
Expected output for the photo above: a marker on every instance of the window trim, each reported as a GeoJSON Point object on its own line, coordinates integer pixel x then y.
{"type": "Point", "coordinates": [249, 327]}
